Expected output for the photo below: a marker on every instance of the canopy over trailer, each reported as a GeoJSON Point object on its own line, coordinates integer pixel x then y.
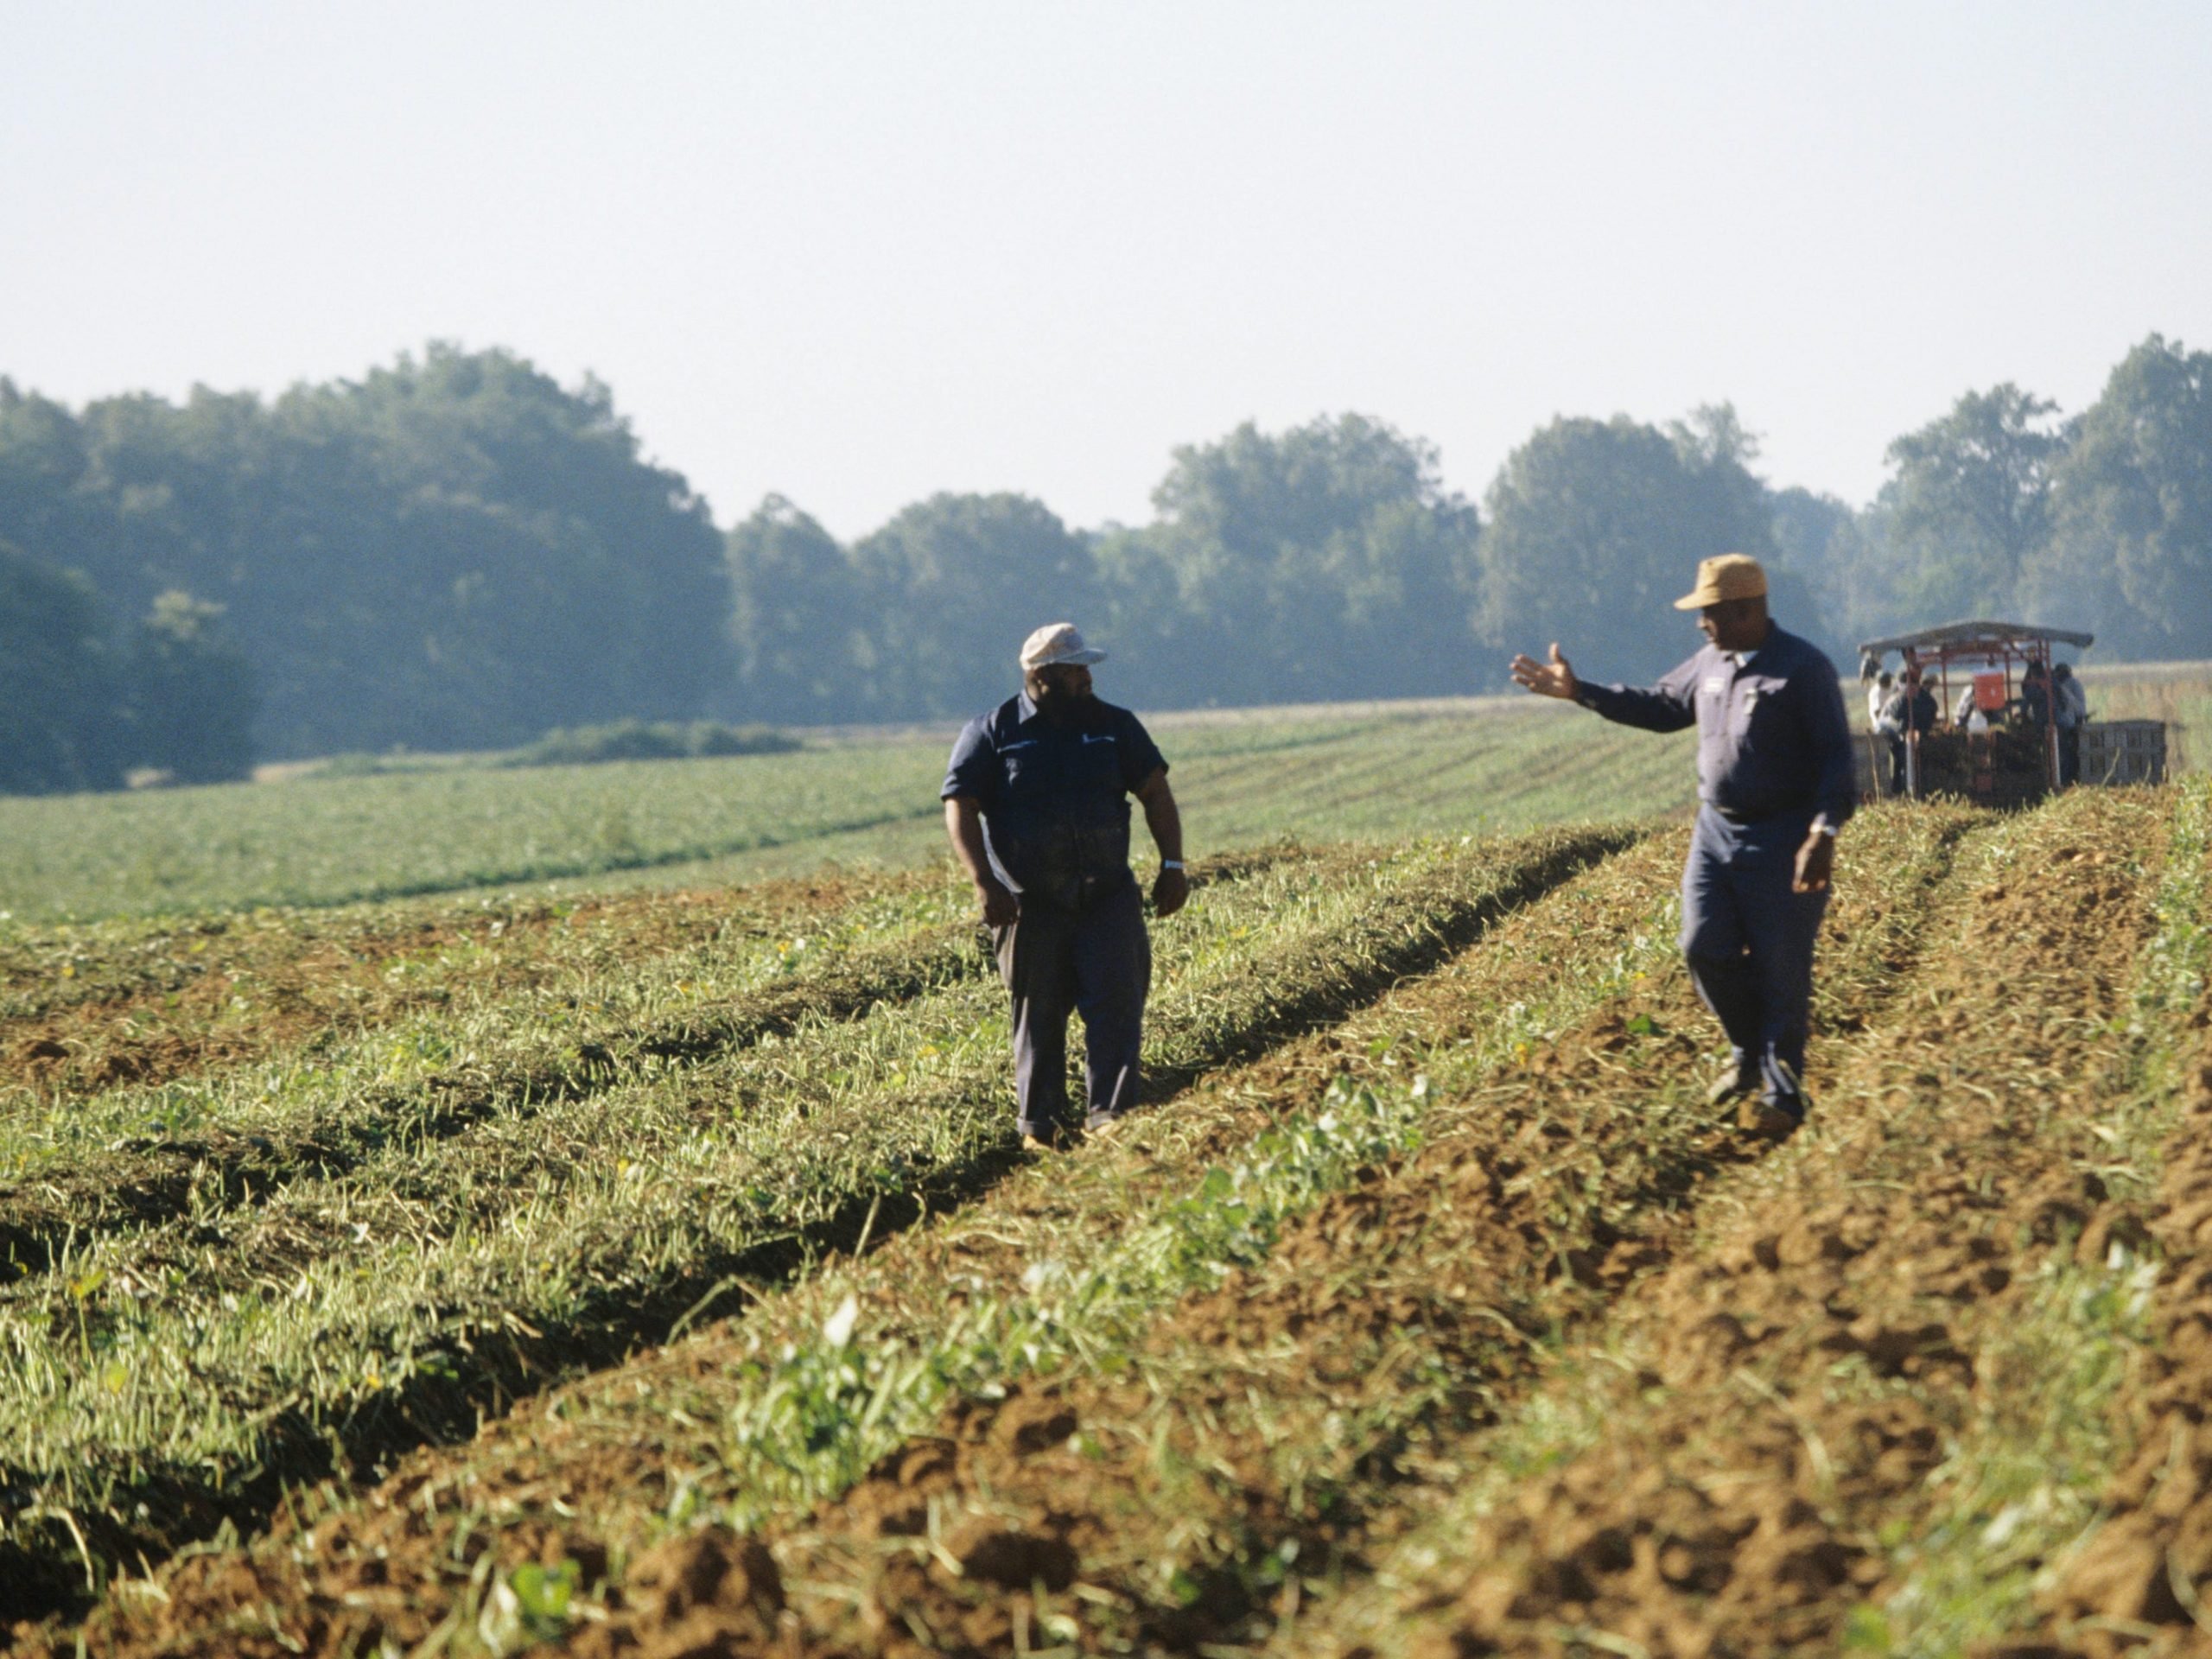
{"type": "Point", "coordinates": [1991, 765]}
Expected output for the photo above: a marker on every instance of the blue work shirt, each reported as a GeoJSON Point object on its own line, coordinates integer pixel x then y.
{"type": "Point", "coordinates": [1772, 741]}
{"type": "Point", "coordinates": [1055, 797]}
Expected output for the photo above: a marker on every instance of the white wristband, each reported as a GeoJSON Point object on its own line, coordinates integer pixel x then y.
{"type": "Point", "coordinates": [1171, 863]}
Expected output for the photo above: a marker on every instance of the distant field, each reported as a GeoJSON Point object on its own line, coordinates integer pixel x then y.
{"type": "Point", "coordinates": [1358, 771]}
{"type": "Point", "coordinates": [867, 800]}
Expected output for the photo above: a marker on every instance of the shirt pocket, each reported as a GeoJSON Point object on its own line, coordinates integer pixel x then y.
{"type": "Point", "coordinates": [1762, 713]}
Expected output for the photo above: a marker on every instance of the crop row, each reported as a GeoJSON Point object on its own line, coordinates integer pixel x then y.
{"type": "Point", "coordinates": [160, 1380]}
{"type": "Point", "coordinates": [138, 1156]}
{"type": "Point", "coordinates": [86, 1008]}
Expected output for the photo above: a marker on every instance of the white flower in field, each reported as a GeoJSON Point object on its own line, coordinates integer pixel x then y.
{"type": "Point", "coordinates": [839, 1330]}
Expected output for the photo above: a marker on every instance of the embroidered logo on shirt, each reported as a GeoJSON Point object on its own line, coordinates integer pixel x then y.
{"type": "Point", "coordinates": [1715, 685]}
{"type": "Point", "coordinates": [1026, 743]}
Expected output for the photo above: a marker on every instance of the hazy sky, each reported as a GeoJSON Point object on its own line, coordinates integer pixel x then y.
{"type": "Point", "coordinates": [856, 253]}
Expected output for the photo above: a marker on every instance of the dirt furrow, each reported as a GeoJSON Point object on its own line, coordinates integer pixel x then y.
{"type": "Point", "coordinates": [1728, 1466]}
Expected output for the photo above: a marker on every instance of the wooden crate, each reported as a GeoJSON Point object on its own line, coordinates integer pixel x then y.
{"type": "Point", "coordinates": [2123, 752]}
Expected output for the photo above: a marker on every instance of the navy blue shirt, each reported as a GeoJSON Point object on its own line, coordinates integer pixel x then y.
{"type": "Point", "coordinates": [1055, 797]}
{"type": "Point", "coordinates": [1771, 736]}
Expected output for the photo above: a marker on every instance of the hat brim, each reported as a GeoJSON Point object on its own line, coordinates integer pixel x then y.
{"type": "Point", "coordinates": [1082, 658]}
{"type": "Point", "coordinates": [1704, 596]}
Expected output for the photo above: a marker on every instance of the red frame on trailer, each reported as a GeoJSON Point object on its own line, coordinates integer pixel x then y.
{"type": "Point", "coordinates": [1985, 645]}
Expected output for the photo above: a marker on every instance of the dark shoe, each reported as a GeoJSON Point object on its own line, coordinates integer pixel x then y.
{"type": "Point", "coordinates": [1768, 1121]}
{"type": "Point", "coordinates": [1731, 1084]}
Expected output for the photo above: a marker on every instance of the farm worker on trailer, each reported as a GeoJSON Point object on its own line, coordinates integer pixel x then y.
{"type": "Point", "coordinates": [1036, 801]}
{"type": "Point", "coordinates": [1775, 784]}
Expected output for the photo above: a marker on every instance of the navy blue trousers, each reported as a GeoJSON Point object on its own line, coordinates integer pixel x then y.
{"type": "Point", "coordinates": [1096, 963]}
{"type": "Point", "coordinates": [1749, 942]}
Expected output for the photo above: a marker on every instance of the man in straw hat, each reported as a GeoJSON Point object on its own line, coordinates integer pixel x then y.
{"type": "Point", "coordinates": [1775, 779]}
{"type": "Point", "coordinates": [1036, 801]}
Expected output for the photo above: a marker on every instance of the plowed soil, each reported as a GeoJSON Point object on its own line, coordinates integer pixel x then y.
{"type": "Point", "coordinates": [1425, 919]}
{"type": "Point", "coordinates": [1770, 1348]}
{"type": "Point", "coordinates": [615, 1442]}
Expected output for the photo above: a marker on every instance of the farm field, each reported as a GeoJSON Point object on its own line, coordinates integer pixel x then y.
{"type": "Point", "coordinates": [551, 833]}
{"type": "Point", "coordinates": [654, 1271]}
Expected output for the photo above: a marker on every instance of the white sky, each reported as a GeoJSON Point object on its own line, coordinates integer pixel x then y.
{"type": "Point", "coordinates": [857, 253]}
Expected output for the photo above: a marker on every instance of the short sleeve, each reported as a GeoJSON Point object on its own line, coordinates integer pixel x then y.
{"type": "Point", "coordinates": [1141, 756]}
{"type": "Point", "coordinates": [974, 770]}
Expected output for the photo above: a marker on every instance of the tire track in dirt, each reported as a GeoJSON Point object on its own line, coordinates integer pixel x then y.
{"type": "Point", "coordinates": [1757, 1417]}
{"type": "Point", "coordinates": [1429, 920]}
{"type": "Point", "coordinates": [584, 1460]}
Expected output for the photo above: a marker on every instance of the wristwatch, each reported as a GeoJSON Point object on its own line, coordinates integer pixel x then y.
{"type": "Point", "coordinates": [1171, 863]}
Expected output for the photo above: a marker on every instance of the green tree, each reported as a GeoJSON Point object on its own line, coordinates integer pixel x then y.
{"type": "Point", "coordinates": [1325, 561]}
{"type": "Point", "coordinates": [1596, 527]}
{"type": "Point", "coordinates": [453, 552]}
{"type": "Point", "coordinates": [62, 721]}
{"type": "Point", "coordinates": [800, 620]}
{"type": "Point", "coordinates": [958, 583]}
{"type": "Point", "coordinates": [2131, 555]}
{"type": "Point", "coordinates": [1969, 505]}
{"type": "Point", "coordinates": [192, 694]}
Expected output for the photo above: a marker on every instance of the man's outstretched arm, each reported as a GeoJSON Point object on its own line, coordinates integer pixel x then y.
{"type": "Point", "coordinates": [1668, 707]}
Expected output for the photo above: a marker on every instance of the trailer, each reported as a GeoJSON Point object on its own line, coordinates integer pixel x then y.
{"type": "Point", "coordinates": [2004, 751]}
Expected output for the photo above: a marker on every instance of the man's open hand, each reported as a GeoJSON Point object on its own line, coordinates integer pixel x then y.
{"type": "Point", "coordinates": [1552, 680]}
{"type": "Point", "coordinates": [1169, 889]}
{"type": "Point", "coordinates": [1001, 908]}
{"type": "Point", "coordinates": [1815, 863]}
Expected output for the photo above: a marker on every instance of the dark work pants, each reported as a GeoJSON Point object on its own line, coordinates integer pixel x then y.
{"type": "Point", "coordinates": [2070, 755]}
{"type": "Point", "coordinates": [1096, 963]}
{"type": "Point", "coordinates": [1749, 942]}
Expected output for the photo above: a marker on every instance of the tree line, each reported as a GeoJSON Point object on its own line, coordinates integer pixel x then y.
{"type": "Point", "coordinates": [457, 552]}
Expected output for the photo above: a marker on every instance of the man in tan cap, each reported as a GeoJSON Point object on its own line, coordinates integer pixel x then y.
{"type": "Point", "coordinates": [1775, 783]}
{"type": "Point", "coordinates": [1036, 801]}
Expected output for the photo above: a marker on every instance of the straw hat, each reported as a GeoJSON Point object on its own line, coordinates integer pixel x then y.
{"type": "Point", "coordinates": [1729, 576]}
{"type": "Point", "coordinates": [1056, 642]}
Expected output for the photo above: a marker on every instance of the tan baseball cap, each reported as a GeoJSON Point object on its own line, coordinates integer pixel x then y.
{"type": "Point", "coordinates": [1729, 576]}
{"type": "Point", "coordinates": [1056, 642]}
